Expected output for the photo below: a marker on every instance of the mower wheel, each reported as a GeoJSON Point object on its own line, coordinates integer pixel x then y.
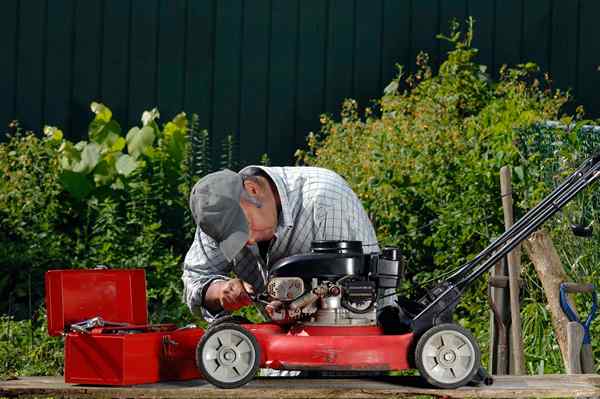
{"type": "Point", "coordinates": [228, 355]}
{"type": "Point", "coordinates": [447, 356]}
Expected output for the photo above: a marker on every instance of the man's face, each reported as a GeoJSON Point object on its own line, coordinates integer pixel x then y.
{"type": "Point", "coordinates": [262, 221]}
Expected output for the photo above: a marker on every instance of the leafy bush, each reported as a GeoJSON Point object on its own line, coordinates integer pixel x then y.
{"type": "Point", "coordinates": [426, 163]}
{"type": "Point", "coordinates": [27, 350]}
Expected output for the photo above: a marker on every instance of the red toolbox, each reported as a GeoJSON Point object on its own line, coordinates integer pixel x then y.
{"type": "Point", "coordinates": [117, 346]}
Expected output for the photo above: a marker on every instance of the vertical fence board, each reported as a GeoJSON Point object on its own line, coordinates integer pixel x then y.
{"type": "Point", "coordinates": [396, 38]}
{"type": "Point", "coordinates": [563, 61]}
{"type": "Point", "coordinates": [86, 64]}
{"type": "Point", "coordinates": [200, 55]}
{"type": "Point", "coordinates": [115, 58]}
{"type": "Point", "coordinates": [310, 84]}
{"type": "Point", "coordinates": [367, 67]}
{"type": "Point", "coordinates": [59, 38]}
{"type": "Point", "coordinates": [8, 47]}
{"type": "Point", "coordinates": [282, 94]}
{"type": "Point", "coordinates": [483, 12]}
{"type": "Point", "coordinates": [340, 59]}
{"type": "Point", "coordinates": [589, 56]}
{"type": "Point", "coordinates": [259, 73]}
{"type": "Point", "coordinates": [142, 59]}
{"type": "Point", "coordinates": [30, 64]}
{"type": "Point", "coordinates": [508, 35]}
{"type": "Point", "coordinates": [425, 16]}
{"type": "Point", "coordinates": [536, 32]}
{"type": "Point", "coordinates": [255, 80]}
{"type": "Point", "coordinates": [228, 44]}
{"type": "Point", "coordinates": [171, 43]}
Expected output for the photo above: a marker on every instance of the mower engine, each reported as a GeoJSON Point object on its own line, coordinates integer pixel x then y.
{"type": "Point", "coordinates": [335, 285]}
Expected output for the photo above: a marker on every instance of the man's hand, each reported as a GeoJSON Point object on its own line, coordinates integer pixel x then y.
{"type": "Point", "coordinates": [229, 295]}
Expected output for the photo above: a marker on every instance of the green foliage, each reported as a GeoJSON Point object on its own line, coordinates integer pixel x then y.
{"type": "Point", "coordinates": [426, 167]}
{"type": "Point", "coordinates": [32, 215]}
{"type": "Point", "coordinates": [27, 350]}
{"type": "Point", "coordinates": [119, 199]}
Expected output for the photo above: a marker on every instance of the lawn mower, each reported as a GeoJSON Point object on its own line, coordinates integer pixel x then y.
{"type": "Point", "coordinates": [325, 313]}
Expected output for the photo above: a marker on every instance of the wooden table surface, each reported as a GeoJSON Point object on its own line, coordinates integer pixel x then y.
{"type": "Point", "coordinates": [554, 386]}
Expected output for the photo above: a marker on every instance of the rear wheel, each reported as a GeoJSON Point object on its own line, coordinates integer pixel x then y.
{"type": "Point", "coordinates": [447, 356]}
{"type": "Point", "coordinates": [228, 355]}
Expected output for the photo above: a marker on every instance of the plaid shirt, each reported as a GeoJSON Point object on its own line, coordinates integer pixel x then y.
{"type": "Point", "coordinates": [316, 204]}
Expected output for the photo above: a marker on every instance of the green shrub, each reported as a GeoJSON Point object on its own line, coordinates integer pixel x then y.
{"type": "Point", "coordinates": [426, 164]}
{"type": "Point", "coordinates": [27, 350]}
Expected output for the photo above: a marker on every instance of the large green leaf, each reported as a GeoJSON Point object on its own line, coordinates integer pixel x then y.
{"type": "Point", "coordinates": [150, 116]}
{"type": "Point", "coordinates": [90, 156]}
{"type": "Point", "coordinates": [126, 164]}
{"type": "Point", "coordinates": [175, 134]}
{"type": "Point", "coordinates": [104, 173]}
{"type": "Point", "coordinates": [104, 133]}
{"type": "Point", "coordinates": [103, 113]}
{"type": "Point", "coordinates": [139, 140]}
{"type": "Point", "coordinates": [75, 183]}
{"type": "Point", "coordinates": [81, 157]}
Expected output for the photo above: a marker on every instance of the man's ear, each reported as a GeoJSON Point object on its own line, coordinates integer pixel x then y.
{"type": "Point", "coordinates": [252, 187]}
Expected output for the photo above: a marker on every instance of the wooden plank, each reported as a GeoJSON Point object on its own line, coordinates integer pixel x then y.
{"type": "Point", "coordinates": [171, 49]}
{"type": "Point", "coordinates": [340, 54]}
{"type": "Point", "coordinates": [115, 58]}
{"type": "Point", "coordinates": [142, 59]}
{"type": "Point", "coordinates": [396, 38]}
{"type": "Point", "coordinates": [226, 95]}
{"type": "Point", "coordinates": [563, 60]}
{"type": "Point", "coordinates": [543, 386]}
{"type": "Point", "coordinates": [200, 60]}
{"type": "Point", "coordinates": [507, 49]}
{"type": "Point", "coordinates": [367, 68]}
{"type": "Point", "coordinates": [589, 59]}
{"type": "Point", "coordinates": [282, 76]}
{"type": "Point", "coordinates": [8, 47]}
{"type": "Point", "coordinates": [30, 64]}
{"type": "Point", "coordinates": [310, 85]}
{"type": "Point", "coordinates": [254, 94]}
{"type": "Point", "coordinates": [451, 10]}
{"type": "Point", "coordinates": [59, 39]}
{"type": "Point", "coordinates": [425, 25]}
{"type": "Point", "coordinates": [483, 12]}
{"type": "Point", "coordinates": [536, 33]}
{"type": "Point", "coordinates": [86, 65]}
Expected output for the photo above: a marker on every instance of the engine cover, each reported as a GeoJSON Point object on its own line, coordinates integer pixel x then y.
{"type": "Point", "coordinates": [322, 265]}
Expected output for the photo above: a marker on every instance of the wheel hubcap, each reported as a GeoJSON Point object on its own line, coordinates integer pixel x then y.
{"type": "Point", "coordinates": [228, 355]}
{"type": "Point", "coordinates": [448, 356]}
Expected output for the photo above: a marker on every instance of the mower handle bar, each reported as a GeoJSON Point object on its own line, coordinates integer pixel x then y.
{"type": "Point", "coordinates": [530, 215]}
{"type": "Point", "coordinates": [585, 175]}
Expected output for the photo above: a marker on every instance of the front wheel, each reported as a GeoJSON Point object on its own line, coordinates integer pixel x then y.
{"type": "Point", "coordinates": [447, 356]}
{"type": "Point", "coordinates": [228, 355]}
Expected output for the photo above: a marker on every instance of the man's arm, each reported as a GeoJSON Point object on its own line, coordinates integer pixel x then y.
{"type": "Point", "coordinates": [204, 266]}
{"type": "Point", "coordinates": [206, 285]}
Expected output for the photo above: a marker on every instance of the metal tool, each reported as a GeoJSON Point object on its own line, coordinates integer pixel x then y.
{"type": "Point", "coordinates": [585, 352]}
{"type": "Point", "coordinates": [86, 326]}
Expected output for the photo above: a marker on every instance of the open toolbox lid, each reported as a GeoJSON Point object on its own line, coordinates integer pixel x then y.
{"type": "Point", "coordinates": [116, 295]}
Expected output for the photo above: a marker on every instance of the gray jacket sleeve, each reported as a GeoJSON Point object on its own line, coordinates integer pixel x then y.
{"type": "Point", "coordinates": [203, 264]}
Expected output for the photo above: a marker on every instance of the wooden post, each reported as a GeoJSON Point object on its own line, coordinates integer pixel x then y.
{"type": "Point", "coordinates": [574, 341]}
{"type": "Point", "coordinates": [514, 266]}
{"type": "Point", "coordinates": [548, 266]}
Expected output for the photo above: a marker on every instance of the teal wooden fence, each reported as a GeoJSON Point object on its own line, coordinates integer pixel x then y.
{"type": "Point", "coordinates": [262, 70]}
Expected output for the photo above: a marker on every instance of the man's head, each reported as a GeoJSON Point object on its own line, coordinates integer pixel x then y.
{"type": "Point", "coordinates": [235, 209]}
